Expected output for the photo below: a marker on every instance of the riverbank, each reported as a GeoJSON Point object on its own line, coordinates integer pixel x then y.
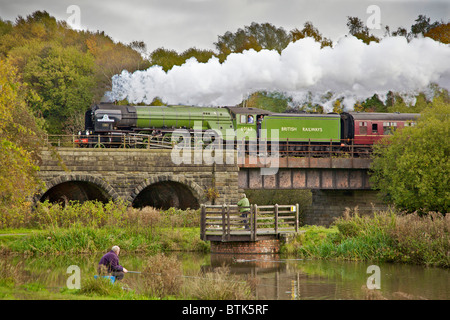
{"type": "Point", "coordinates": [385, 237]}
{"type": "Point", "coordinates": [94, 227]}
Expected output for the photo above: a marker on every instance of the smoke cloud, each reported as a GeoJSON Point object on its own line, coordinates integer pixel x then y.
{"type": "Point", "coordinates": [350, 69]}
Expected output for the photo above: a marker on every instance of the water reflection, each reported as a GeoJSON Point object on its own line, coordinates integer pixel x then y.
{"type": "Point", "coordinates": [276, 276]}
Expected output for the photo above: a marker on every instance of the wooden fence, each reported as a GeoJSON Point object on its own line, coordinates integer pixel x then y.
{"type": "Point", "coordinates": [228, 223]}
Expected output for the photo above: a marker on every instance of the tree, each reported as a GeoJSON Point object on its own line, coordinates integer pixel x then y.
{"type": "Point", "coordinates": [412, 168]}
{"type": "Point", "coordinates": [256, 36]}
{"type": "Point", "coordinates": [310, 31]}
{"type": "Point", "coordinates": [439, 33]}
{"type": "Point", "coordinates": [423, 25]}
{"type": "Point", "coordinates": [358, 29]}
{"type": "Point", "coordinates": [61, 80]}
{"type": "Point", "coordinates": [20, 138]}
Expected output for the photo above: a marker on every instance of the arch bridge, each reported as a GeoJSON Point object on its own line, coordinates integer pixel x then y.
{"type": "Point", "coordinates": [151, 177]}
{"type": "Point", "coordinates": [138, 176]}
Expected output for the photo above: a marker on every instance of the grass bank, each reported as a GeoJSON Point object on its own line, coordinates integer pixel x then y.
{"type": "Point", "coordinates": [95, 227]}
{"type": "Point", "coordinates": [386, 236]}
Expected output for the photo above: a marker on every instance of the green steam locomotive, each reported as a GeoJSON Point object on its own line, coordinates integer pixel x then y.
{"type": "Point", "coordinates": [110, 125]}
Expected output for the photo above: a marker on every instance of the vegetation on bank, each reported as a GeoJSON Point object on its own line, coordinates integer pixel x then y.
{"type": "Point", "coordinates": [94, 227]}
{"type": "Point", "coordinates": [386, 236]}
{"type": "Point", "coordinates": [90, 227]}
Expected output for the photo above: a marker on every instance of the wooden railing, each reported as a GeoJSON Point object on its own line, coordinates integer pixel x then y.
{"type": "Point", "coordinates": [228, 223]}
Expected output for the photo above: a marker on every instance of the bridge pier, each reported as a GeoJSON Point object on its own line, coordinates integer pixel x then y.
{"type": "Point", "coordinates": [327, 205]}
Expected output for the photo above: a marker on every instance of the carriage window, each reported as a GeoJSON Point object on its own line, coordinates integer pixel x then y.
{"type": "Point", "coordinates": [374, 128]}
{"type": "Point", "coordinates": [363, 127]}
{"type": "Point", "coordinates": [243, 118]}
{"type": "Point", "coordinates": [389, 127]}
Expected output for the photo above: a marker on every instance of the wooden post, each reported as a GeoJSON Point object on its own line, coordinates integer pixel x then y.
{"type": "Point", "coordinates": [276, 218]}
{"type": "Point", "coordinates": [255, 223]}
{"type": "Point", "coordinates": [223, 223]}
{"type": "Point", "coordinates": [228, 223]}
{"type": "Point", "coordinates": [203, 223]}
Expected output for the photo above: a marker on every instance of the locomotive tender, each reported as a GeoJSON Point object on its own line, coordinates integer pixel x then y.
{"type": "Point", "coordinates": [107, 124]}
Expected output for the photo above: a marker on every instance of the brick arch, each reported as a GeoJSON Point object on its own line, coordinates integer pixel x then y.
{"type": "Point", "coordinates": [101, 184]}
{"type": "Point", "coordinates": [197, 191]}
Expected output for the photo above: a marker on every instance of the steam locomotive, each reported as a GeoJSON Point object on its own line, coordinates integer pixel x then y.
{"type": "Point", "coordinates": [109, 125]}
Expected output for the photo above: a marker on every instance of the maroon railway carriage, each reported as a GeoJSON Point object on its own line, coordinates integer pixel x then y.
{"type": "Point", "coordinates": [371, 127]}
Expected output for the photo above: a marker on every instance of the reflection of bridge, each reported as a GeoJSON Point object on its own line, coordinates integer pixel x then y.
{"type": "Point", "coordinates": [151, 177]}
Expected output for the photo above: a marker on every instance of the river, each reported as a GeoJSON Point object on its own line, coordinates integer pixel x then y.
{"type": "Point", "coordinates": [275, 277]}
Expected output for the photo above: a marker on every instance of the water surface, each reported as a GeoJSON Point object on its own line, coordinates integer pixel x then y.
{"type": "Point", "coordinates": [276, 277]}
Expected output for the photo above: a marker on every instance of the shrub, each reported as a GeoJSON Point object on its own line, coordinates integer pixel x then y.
{"type": "Point", "coordinates": [218, 285]}
{"type": "Point", "coordinates": [162, 276]}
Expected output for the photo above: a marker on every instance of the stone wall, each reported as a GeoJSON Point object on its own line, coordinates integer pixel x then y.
{"type": "Point", "coordinates": [327, 205]}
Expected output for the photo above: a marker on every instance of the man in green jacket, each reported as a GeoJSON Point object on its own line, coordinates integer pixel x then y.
{"type": "Point", "coordinates": [244, 209]}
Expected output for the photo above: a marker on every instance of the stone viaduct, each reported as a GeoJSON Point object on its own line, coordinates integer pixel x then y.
{"type": "Point", "coordinates": [151, 177]}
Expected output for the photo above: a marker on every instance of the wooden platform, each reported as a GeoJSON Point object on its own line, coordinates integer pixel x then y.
{"type": "Point", "coordinates": [226, 223]}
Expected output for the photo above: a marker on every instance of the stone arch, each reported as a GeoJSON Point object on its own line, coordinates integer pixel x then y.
{"type": "Point", "coordinates": [83, 187]}
{"type": "Point", "coordinates": [176, 191]}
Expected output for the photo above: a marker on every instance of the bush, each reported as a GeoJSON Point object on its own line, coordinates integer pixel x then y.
{"type": "Point", "coordinates": [162, 276]}
{"type": "Point", "coordinates": [218, 285]}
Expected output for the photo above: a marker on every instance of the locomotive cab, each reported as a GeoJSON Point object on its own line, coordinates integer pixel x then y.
{"type": "Point", "coordinates": [248, 122]}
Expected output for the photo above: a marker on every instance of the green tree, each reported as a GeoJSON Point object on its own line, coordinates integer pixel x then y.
{"type": "Point", "coordinates": [256, 36]}
{"type": "Point", "coordinates": [61, 81]}
{"type": "Point", "coordinates": [412, 168]}
{"type": "Point", "coordinates": [271, 101]}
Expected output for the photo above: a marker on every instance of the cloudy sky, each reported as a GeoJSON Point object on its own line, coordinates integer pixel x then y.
{"type": "Point", "coordinates": [181, 24]}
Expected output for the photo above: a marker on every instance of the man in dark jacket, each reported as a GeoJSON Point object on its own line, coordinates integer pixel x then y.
{"type": "Point", "coordinates": [110, 262]}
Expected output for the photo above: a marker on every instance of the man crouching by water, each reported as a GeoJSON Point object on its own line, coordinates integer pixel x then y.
{"type": "Point", "coordinates": [110, 262]}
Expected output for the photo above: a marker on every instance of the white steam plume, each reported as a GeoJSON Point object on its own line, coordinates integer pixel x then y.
{"type": "Point", "coordinates": [351, 69]}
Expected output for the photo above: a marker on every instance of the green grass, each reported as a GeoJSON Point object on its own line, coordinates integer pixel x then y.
{"type": "Point", "coordinates": [81, 240]}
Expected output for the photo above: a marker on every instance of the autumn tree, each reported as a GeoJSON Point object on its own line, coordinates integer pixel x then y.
{"type": "Point", "coordinates": [310, 31]}
{"type": "Point", "coordinates": [168, 58]}
{"type": "Point", "coordinates": [20, 138]}
{"type": "Point", "coordinates": [439, 33]}
{"type": "Point", "coordinates": [64, 70]}
{"type": "Point", "coordinates": [423, 25]}
{"type": "Point", "coordinates": [358, 29]}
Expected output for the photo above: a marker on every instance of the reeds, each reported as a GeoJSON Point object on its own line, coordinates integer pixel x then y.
{"type": "Point", "coordinates": [92, 226]}
{"type": "Point", "coordinates": [387, 236]}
